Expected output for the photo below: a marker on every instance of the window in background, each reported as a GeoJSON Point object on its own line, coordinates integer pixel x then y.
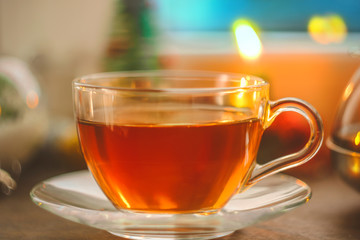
{"type": "Point", "coordinates": [274, 15]}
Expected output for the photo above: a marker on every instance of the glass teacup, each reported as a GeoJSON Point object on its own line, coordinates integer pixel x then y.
{"type": "Point", "coordinates": [180, 141]}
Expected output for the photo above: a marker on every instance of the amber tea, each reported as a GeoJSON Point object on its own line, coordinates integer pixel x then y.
{"type": "Point", "coordinates": [170, 168]}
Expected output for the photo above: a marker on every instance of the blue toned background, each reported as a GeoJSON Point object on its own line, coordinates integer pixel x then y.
{"type": "Point", "coordinates": [269, 15]}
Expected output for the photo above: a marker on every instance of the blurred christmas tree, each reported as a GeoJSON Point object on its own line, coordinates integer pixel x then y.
{"type": "Point", "coordinates": [132, 44]}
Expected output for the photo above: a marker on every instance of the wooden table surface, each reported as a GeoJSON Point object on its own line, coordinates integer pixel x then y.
{"type": "Point", "coordinates": [333, 213]}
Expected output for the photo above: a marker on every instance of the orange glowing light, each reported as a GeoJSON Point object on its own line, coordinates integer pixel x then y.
{"type": "Point", "coordinates": [355, 168]}
{"type": "Point", "coordinates": [32, 99]}
{"type": "Point", "coordinates": [0, 110]}
{"type": "Point", "coordinates": [248, 41]}
{"type": "Point", "coordinates": [327, 29]}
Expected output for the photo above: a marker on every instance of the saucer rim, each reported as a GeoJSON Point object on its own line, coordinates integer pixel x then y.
{"type": "Point", "coordinates": [266, 212]}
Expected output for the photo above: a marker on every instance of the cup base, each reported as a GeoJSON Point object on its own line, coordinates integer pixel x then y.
{"type": "Point", "coordinates": [186, 233]}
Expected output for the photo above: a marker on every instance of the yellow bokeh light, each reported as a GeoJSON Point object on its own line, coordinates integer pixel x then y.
{"type": "Point", "coordinates": [357, 139]}
{"type": "Point", "coordinates": [327, 29]}
{"type": "Point", "coordinates": [248, 41]}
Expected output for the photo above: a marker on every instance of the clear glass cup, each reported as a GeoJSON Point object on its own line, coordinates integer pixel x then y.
{"type": "Point", "coordinates": [176, 142]}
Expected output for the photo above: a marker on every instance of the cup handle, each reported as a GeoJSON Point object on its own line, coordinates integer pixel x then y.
{"type": "Point", "coordinates": [303, 155]}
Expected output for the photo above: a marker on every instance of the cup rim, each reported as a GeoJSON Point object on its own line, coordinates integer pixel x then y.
{"type": "Point", "coordinates": [258, 82]}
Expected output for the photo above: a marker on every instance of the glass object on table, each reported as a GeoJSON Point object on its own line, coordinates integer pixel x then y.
{"type": "Point", "coordinates": [23, 119]}
{"type": "Point", "coordinates": [344, 141]}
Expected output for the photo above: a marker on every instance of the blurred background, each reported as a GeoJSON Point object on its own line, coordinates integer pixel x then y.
{"type": "Point", "coordinates": [305, 49]}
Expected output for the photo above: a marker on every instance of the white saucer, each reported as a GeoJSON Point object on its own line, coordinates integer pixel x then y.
{"type": "Point", "coordinates": [76, 197]}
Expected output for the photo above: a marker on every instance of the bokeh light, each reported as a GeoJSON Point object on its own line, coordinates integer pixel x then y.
{"type": "Point", "coordinates": [357, 139]}
{"type": "Point", "coordinates": [32, 99]}
{"type": "Point", "coordinates": [327, 29]}
{"type": "Point", "coordinates": [247, 39]}
{"type": "Point", "coordinates": [355, 167]}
